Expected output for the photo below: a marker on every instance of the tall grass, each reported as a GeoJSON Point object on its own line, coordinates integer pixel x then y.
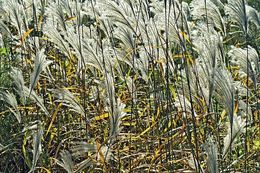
{"type": "Point", "coordinates": [129, 86]}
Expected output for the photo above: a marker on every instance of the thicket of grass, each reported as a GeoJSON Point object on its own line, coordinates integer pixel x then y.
{"type": "Point", "coordinates": [129, 86]}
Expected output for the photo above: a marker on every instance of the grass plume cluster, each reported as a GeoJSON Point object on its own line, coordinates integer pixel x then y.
{"type": "Point", "coordinates": [129, 86]}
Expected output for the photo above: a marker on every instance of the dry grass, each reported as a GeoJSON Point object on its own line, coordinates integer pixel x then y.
{"type": "Point", "coordinates": [129, 86]}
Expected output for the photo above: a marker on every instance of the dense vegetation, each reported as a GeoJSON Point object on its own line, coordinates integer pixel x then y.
{"type": "Point", "coordinates": [129, 86]}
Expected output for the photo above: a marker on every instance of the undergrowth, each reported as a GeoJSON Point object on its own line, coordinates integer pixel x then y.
{"type": "Point", "coordinates": [129, 86]}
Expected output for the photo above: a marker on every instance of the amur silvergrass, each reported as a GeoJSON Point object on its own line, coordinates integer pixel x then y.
{"type": "Point", "coordinates": [129, 86]}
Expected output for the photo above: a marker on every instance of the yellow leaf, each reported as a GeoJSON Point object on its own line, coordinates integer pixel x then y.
{"type": "Point", "coordinates": [71, 18]}
{"type": "Point", "coordinates": [101, 117]}
{"type": "Point", "coordinates": [236, 108]}
{"type": "Point", "coordinates": [185, 36]}
{"type": "Point", "coordinates": [52, 137]}
{"type": "Point", "coordinates": [45, 169]}
{"type": "Point", "coordinates": [99, 151]}
{"type": "Point", "coordinates": [157, 153]}
{"type": "Point", "coordinates": [40, 22]}
{"type": "Point", "coordinates": [256, 145]}
{"type": "Point", "coordinates": [25, 35]}
{"type": "Point", "coordinates": [153, 119]}
{"type": "Point", "coordinates": [153, 124]}
{"type": "Point", "coordinates": [173, 92]}
{"type": "Point", "coordinates": [190, 60]}
{"type": "Point", "coordinates": [223, 114]}
{"type": "Point", "coordinates": [177, 56]}
{"type": "Point", "coordinates": [168, 127]}
{"type": "Point", "coordinates": [129, 124]}
{"type": "Point", "coordinates": [158, 112]}
{"type": "Point", "coordinates": [53, 117]}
